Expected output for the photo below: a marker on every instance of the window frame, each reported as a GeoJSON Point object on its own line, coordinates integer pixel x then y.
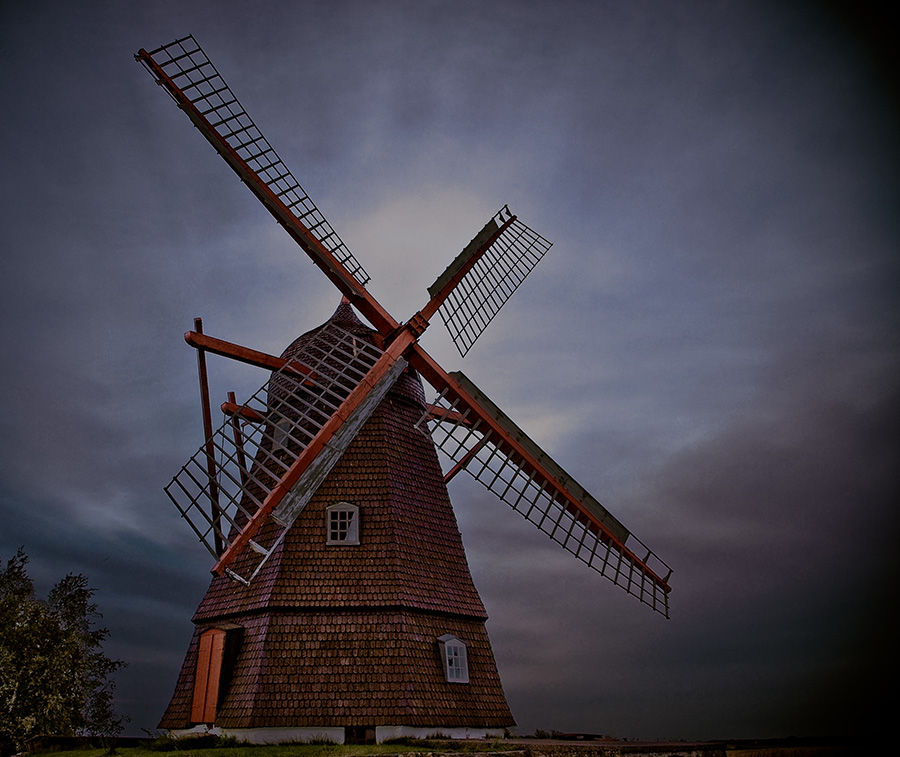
{"type": "Point", "coordinates": [454, 658]}
{"type": "Point", "coordinates": [351, 537]}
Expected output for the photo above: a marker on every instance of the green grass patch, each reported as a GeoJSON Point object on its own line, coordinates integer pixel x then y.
{"type": "Point", "coordinates": [203, 747]}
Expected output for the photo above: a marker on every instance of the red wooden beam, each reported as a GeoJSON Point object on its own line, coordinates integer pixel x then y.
{"type": "Point", "coordinates": [208, 443]}
{"type": "Point", "coordinates": [237, 434]}
{"type": "Point", "coordinates": [231, 408]}
{"type": "Point", "coordinates": [246, 355]}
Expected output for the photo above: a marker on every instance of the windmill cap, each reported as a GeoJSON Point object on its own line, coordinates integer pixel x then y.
{"type": "Point", "coordinates": [408, 386]}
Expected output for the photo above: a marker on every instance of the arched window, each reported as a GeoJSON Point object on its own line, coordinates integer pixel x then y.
{"type": "Point", "coordinates": [454, 658]}
{"type": "Point", "coordinates": [342, 523]}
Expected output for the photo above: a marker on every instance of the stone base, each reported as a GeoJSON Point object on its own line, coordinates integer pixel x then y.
{"type": "Point", "coordinates": [334, 735]}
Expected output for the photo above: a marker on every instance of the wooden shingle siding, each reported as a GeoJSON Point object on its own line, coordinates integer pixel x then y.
{"type": "Point", "coordinates": [348, 636]}
{"type": "Point", "coordinates": [357, 668]}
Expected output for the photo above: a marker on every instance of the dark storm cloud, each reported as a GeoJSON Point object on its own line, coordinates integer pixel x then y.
{"type": "Point", "coordinates": [710, 347]}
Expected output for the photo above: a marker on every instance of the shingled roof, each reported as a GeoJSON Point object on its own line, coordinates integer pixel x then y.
{"type": "Point", "coordinates": [347, 635]}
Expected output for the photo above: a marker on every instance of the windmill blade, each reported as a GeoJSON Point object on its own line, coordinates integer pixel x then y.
{"type": "Point", "coordinates": [480, 439]}
{"type": "Point", "coordinates": [186, 73]}
{"type": "Point", "coordinates": [473, 288]}
{"type": "Point", "coordinates": [294, 430]}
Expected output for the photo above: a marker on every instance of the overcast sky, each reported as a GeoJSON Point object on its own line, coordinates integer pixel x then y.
{"type": "Point", "coordinates": [710, 347]}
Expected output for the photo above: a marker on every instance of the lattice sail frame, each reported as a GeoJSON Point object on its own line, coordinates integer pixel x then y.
{"type": "Point", "coordinates": [185, 63]}
{"type": "Point", "coordinates": [493, 279]}
{"type": "Point", "coordinates": [484, 276]}
{"type": "Point", "coordinates": [612, 551]}
{"type": "Point", "coordinates": [256, 446]}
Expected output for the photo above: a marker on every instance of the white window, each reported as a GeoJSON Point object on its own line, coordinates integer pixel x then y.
{"type": "Point", "coordinates": [342, 523]}
{"type": "Point", "coordinates": [454, 658]}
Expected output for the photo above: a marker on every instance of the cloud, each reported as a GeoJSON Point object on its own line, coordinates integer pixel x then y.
{"type": "Point", "coordinates": [709, 347]}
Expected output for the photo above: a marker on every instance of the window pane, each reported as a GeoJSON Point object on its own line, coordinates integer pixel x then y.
{"type": "Point", "coordinates": [342, 524]}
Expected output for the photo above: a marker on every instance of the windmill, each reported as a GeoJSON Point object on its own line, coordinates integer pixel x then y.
{"type": "Point", "coordinates": [341, 604]}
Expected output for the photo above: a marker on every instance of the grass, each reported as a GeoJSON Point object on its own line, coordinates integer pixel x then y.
{"type": "Point", "coordinates": [285, 750]}
{"type": "Point", "coordinates": [275, 750]}
{"type": "Point", "coordinates": [232, 748]}
{"type": "Point", "coordinates": [800, 751]}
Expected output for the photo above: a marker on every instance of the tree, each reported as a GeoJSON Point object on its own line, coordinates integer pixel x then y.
{"type": "Point", "coordinates": [54, 677]}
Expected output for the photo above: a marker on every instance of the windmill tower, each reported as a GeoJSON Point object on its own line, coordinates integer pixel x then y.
{"type": "Point", "coordinates": [341, 604]}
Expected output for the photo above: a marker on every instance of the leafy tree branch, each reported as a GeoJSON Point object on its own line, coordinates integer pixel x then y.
{"type": "Point", "coordinates": [54, 677]}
